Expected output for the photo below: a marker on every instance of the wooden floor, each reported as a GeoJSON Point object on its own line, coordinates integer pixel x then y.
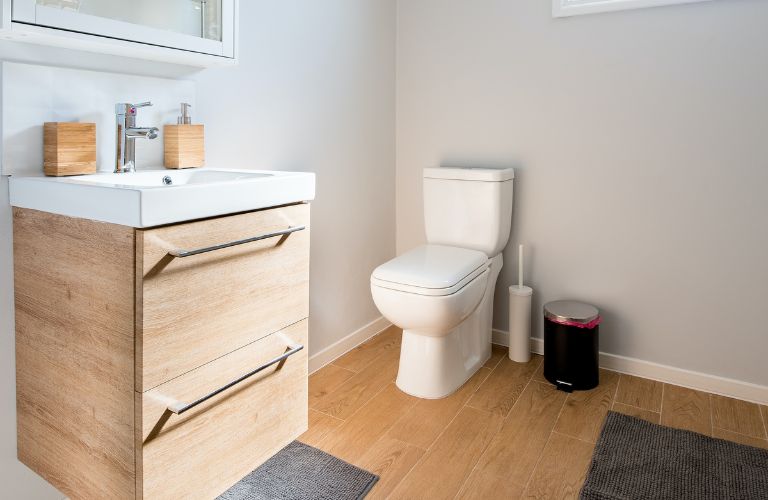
{"type": "Point", "coordinates": [506, 433]}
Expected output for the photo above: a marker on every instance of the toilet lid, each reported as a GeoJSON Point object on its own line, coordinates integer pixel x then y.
{"type": "Point", "coordinates": [434, 267]}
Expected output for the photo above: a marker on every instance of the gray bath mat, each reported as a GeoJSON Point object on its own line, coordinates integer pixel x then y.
{"type": "Point", "coordinates": [635, 459]}
{"type": "Point", "coordinates": [301, 472]}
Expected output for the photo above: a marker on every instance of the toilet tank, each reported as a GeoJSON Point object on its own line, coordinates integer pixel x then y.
{"type": "Point", "coordinates": [468, 207]}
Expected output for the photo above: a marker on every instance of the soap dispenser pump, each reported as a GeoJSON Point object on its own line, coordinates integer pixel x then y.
{"type": "Point", "coordinates": [185, 118]}
{"type": "Point", "coordinates": [184, 142]}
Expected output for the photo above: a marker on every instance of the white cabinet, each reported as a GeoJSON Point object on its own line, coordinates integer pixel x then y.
{"type": "Point", "coordinates": [197, 32]}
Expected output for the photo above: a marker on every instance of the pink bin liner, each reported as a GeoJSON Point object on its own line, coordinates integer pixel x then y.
{"type": "Point", "coordinates": [587, 326]}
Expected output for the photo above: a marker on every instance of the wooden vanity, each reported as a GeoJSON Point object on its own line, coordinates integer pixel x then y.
{"type": "Point", "coordinates": [122, 334]}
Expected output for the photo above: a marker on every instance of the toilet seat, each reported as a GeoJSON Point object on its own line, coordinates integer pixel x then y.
{"type": "Point", "coordinates": [431, 270]}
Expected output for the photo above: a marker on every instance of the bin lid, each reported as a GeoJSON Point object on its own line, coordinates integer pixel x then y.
{"type": "Point", "coordinates": [571, 312]}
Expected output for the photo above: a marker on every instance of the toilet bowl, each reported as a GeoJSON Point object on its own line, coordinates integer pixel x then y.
{"type": "Point", "coordinates": [438, 306]}
{"type": "Point", "coordinates": [441, 294]}
{"type": "Point", "coordinates": [430, 289]}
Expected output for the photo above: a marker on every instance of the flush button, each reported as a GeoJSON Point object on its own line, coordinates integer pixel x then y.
{"type": "Point", "coordinates": [167, 180]}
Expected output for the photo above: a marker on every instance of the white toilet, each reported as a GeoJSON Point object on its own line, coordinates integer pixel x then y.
{"type": "Point", "coordinates": [441, 294]}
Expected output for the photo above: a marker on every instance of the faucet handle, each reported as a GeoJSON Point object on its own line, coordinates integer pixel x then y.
{"type": "Point", "coordinates": [126, 108]}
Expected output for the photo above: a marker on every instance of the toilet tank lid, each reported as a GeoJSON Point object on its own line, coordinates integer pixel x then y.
{"type": "Point", "coordinates": [470, 173]}
{"type": "Point", "coordinates": [431, 266]}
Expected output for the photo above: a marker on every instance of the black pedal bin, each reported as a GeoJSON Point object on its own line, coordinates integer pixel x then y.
{"type": "Point", "coordinates": [571, 345]}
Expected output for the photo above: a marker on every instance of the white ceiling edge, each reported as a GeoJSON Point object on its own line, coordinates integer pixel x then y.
{"type": "Point", "coordinates": [567, 8]}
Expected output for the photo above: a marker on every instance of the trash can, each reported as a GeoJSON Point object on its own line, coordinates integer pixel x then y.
{"type": "Point", "coordinates": [571, 345]}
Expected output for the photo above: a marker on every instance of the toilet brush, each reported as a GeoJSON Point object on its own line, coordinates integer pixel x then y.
{"type": "Point", "coordinates": [520, 317]}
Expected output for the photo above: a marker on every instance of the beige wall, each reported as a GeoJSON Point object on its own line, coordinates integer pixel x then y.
{"type": "Point", "coordinates": [641, 142]}
{"type": "Point", "coordinates": [314, 91]}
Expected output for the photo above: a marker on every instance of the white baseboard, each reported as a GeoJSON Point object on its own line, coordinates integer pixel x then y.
{"type": "Point", "coordinates": [663, 373]}
{"type": "Point", "coordinates": [348, 343]}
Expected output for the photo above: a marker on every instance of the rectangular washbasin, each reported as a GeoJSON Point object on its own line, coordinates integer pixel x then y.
{"type": "Point", "coordinates": [157, 197]}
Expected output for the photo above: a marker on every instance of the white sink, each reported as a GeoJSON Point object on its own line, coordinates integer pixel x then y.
{"type": "Point", "coordinates": [156, 197]}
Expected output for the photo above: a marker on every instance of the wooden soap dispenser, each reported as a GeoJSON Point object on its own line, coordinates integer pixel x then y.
{"type": "Point", "coordinates": [184, 142]}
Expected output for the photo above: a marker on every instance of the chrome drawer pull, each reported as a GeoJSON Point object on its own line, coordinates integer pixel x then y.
{"type": "Point", "coordinates": [197, 251]}
{"type": "Point", "coordinates": [181, 407]}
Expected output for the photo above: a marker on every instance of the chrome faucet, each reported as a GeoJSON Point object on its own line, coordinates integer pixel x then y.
{"type": "Point", "coordinates": [127, 133]}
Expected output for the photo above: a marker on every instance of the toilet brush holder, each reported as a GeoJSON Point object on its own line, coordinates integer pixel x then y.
{"type": "Point", "coordinates": [520, 323]}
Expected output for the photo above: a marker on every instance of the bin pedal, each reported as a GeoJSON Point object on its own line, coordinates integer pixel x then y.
{"type": "Point", "coordinates": [564, 386]}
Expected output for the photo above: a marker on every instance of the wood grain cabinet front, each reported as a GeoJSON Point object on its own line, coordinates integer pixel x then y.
{"type": "Point", "coordinates": [159, 363]}
{"type": "Point", "coordinates": [238, 428]}
{"type": "Point", "coordinates": [193, 309]}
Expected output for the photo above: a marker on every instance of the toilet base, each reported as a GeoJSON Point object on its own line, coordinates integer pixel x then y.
{"type": "Point", "coordinates": [436, 367]}
{"type": "Point", "coordinates": [433, 367]}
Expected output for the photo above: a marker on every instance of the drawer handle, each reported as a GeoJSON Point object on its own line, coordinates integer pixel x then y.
{"type": "Point", "coordinates": [181, 407]}
{"type": "Point", "coordinates": [197, 251]}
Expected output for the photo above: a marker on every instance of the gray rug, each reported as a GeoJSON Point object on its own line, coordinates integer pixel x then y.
{"type": "Point", "coordinates": [635, 459]}
{"type": "Point", "coordinates": [301, 472]}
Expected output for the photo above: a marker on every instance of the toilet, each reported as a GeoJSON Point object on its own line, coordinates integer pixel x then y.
{"type": "Point", "coordinates": [441, 293]}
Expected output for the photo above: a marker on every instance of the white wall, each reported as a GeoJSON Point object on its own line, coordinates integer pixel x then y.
{"type": "Point", "coordinates": [35, 94]}
{"type": "Point", "coordinates": [314, 91]}
{"type": "Point", "coordinates": [641, 141]}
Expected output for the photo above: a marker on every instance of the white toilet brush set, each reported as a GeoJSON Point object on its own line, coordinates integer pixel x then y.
{"type": "Point", "coordinates": [520, 298]}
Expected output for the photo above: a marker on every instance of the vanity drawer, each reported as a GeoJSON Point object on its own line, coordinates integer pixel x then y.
{"type": "Point", "coordinates": [202, 293]}
{"type": "Point", "coordinates": [208, 448]}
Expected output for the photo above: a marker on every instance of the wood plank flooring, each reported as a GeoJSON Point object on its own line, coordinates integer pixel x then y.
{"type": "Point", "coordinates": [505, 434]}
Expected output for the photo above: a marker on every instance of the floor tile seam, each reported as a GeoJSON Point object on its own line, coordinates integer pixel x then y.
{"type": "Point", "coordinates": [407, 473]}
{"type": "Point", "coordinates": [541, 453]}
{"type": "Point", "coordinates": [482, 452]}
{"type": "Point", "coordinates": [474, 467]}
{"type": "Point", "coordinates": [622, 375]}
{"type": "Point", "coordinates": [661, 405]}
{"type": "Point", "coordinates": [386, 436]}
{"type": "Point", "coordinates": [364, 404]}
{"type": "Point", "coordinates": [498, 362]}
{"type": "Point", "coordinates": [430, 447]}
{"type": "Point", "coordinates": [616, 391]}
{"type": "Point", "coordinates": [539, 458]}
{"type": "Point", "coordinates": [764, 418]}
{"type": "Point", "coordinates": [616, 396]}
{"type": "Point", "coordinates": [403, 416]}
{"type": "Point", "coordinates": [347, 380]}
{"type": "Point", "coordinates": [358, 411]}
{"type": "Point", "coordinates": [712, 425]}
{"type": "Point", "coordinates": [340, 420]}
{"type": "Point", "coordinates": [737, 432]}
{"type": "Point", "coordinates": [403, 442]}
{"type": "Point", "coordinates": [561, 433]}
{"type": "Point", "coordinates": [327, 414]}
{"type": "Point", "coordinates": [759, 412]}
{"type": "Point", "coordinates": [362, 369]}
{"type": "Point", "coordinates": [327, 394]}
{"type": "Point", "coordinates": [375, 358]}
{"type": "Point", "coordinates": [467, 403]}
{"type": "Point", "coordinates": [352, 374]}
{"type": "Point", "coordinates": [517, 401]}
{"type": "Point", "coordinates": [636, 407]}
{"type": "Point", "coordinates": [477, 389]}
